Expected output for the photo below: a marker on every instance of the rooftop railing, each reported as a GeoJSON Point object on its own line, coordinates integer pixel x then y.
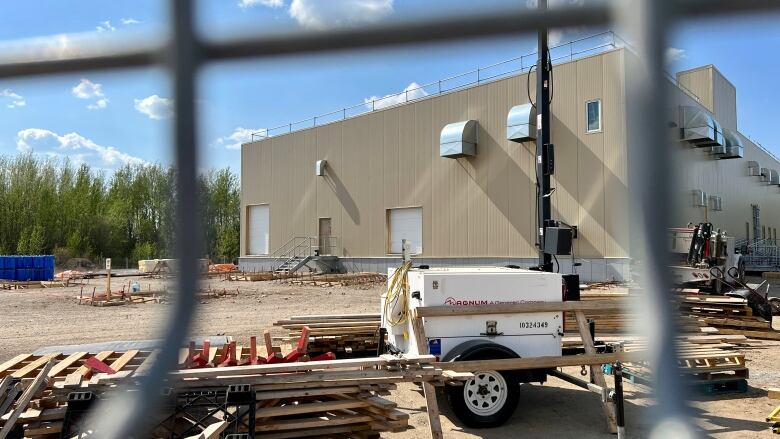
{"type": "Point", "coordinates": [568, 51]}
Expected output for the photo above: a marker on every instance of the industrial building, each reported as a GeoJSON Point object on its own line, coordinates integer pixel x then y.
{"type": "Point", "coordinates": [453, 173]}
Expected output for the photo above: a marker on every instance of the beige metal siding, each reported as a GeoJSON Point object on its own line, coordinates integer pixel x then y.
{"type": "Point", "coordinates": [699, 81]}
{"type": "Point", "coordinates": [472, 207]}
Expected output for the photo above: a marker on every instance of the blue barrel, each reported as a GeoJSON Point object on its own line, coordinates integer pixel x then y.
{"type": "Point", "coordinates": [38, 261]}
{"type": "Point", "coordinates": [48, 273]}
{"type": "Point", "coordinates": [50, 263]}
{"type": "Point", "coordinates": [2, 262]}
{"type": "Point", "coordinates": [28, 261]}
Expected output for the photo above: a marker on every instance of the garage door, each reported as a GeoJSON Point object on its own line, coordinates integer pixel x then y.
{"type": "Point", "coordinates": [257, 218]}
{"type": "Point", "coordinates": [406, 224]}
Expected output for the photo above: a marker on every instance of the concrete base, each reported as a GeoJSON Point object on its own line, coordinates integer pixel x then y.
{"type": "Point", "coordinates": [591, 270]}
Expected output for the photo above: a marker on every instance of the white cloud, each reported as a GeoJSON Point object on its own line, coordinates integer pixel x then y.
{"type": "Point", "coordinates": [245, 4]}
{"type": "Point", "coordinates": [328, 14]}
{"type": "Point", "coordinates": [129, 21]}
{"type": "Point", "coordinates": [411, 92]}
{"type": "Point", "coordinates": [87, 89]}
{"type": "Point", "coordinates": [98, 104]}
{"type": "Point", "coordinates": [72, 145]}
{"type": "Point", "coordinates": [240, 135]}
{"type": "Point", "coordinates": [16, 99]}
{"type": "Point", "coordinates": [155, 107]}
{"type": "Point", "coordinates": [105, 26]}
{"type": "Point", "coordinates": [673, 54]}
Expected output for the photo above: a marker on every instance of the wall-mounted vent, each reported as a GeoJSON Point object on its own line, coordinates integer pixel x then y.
{"type": "Point", "coordinates": [699, 198]}
{"type": "Point", "coordinates": [734, 147]}
{"type": "Point", "coordinates": [699, 128]}
{"type": "Point", "coordinates": [774, 177]}
{"type": "Point", "coordinates": [718, 150]}
{"type": "Point", "coordinates": [521, 123]}
{"type": "Point", "coordinates": [458, 139]}
{"type": "Point", "coordinates": [754, 168]}
{"type": "Point", "coordinates": [716, 203]}
{"type": "Point", "coordinates": [319, 167]}
{"type": "Point", "coordinates": [764, 175]}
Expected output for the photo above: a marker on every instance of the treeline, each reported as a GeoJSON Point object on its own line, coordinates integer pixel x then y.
{"type": "Point", "coordinates": [52, 207]}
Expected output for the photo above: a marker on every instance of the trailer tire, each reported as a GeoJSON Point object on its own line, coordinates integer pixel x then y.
{"type": "Point", "coordinates": [490, 398]}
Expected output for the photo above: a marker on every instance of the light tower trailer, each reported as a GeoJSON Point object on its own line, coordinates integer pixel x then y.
{"type": "Point", "coordinates": [490, 398]}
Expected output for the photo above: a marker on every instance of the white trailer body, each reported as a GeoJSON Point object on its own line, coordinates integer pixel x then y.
{"type": "Point", "coordinates": [528, 335]}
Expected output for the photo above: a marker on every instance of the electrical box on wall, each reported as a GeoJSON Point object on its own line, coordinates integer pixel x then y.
{"type": "Point", "coordinates": [557, 240]}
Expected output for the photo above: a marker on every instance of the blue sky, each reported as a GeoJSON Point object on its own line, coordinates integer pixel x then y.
{"type": "Point", "coordinates": [110, 118]}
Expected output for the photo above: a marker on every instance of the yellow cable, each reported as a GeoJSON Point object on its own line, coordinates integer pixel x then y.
{"type": "Point", "coordinates": [398, 295]}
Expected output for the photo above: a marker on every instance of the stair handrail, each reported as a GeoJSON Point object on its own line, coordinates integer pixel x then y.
{"type": "Point", "coordinates": [297, 246]}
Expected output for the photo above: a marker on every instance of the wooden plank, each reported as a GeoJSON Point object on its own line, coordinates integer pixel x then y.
{"type": "Point", "coordinates": [28, 394]}
{"type": "Point", "coordinates": [296, 424]}
{"type": "Point", "coordinates": [314, 407]}
{"type": "Point", "coordinates": [773, 393]}
{"type": "Point", "coordinates": [595, 370]}
{"type": "Point", "coordinates": [85, 370]}
{"type": "Point", "coordinates": [322, 432]}
{"type": "Point", "coordinates": [10, 396]}
{"type": "Point", "coordinates": [122, 361]}
{"type": "Point", "coordinates": [33, 365]}
{"type": "Point", "coordinates": [291, 367]}
{"type": "Point", "coordinates": [430, 392]}
{"type": "Point", "coordinates": [211, 432]}
{"type": "Point", "coordinates": [62, 365]}
{"type": "Point", "coordinates": [543, 362]}
{"type": "Point", "coordinates": [513, 308]}
{"type": "Point", "coordinates": [13, 362]}
{"type": "Point", "coordinates": [304, 393]}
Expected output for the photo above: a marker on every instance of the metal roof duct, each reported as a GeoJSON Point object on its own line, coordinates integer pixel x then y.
{"type": "Point", "coordinates": [764, 174]}
{"type": "Point", "coordinates": [458, 139]}
{"type": "Point", "coordinates": [774, 177]}
{"type": "Point", "coordinates": [716, 203]}
{"type": "Point", "coordinates": [699, 128]}
{"type": "Point", "coordinates": [754, 168]}
{"type": "Point", "coordinates": [521, 123]}
{"type": "Point", "coordinates": [734, 147]}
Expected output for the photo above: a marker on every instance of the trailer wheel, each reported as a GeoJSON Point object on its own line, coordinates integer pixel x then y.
{"type": "Point", "coordinates": [491, 397]}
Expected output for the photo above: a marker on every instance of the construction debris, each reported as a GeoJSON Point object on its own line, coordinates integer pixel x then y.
{"type": "Point", "coordinates": [319, 398]}
{"type": "Point", "coordinates": [730, 315]}
{"type": "Point", "coordinates": [346, 335]}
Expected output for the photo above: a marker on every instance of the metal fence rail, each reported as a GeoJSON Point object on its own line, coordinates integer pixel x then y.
{"type": "Point", "coordinates": [646, 21]}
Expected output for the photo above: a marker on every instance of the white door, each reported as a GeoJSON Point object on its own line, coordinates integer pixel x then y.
{"type": "Point", "coordinates": [406, 224]}
{"type": "Point", "coordinates": [257, 218]}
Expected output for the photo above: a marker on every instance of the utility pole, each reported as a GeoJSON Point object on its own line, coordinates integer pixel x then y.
{"type": "Point", "coordinates": [544, 155]}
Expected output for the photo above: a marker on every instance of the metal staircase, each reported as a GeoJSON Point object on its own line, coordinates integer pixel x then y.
{"type": "Point", "coordinates": [297, 252]}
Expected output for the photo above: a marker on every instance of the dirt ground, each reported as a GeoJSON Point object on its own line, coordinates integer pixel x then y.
{"type": "Point", "coordinates": [34, 318]}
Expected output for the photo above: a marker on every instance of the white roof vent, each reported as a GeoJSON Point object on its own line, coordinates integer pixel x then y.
{"type": "Point", "coordinates": [699, 128]}
{"type": "Point", "coordinates": [774, 177]}
{"type": "Point", "coordinates": [521, 123]}
{"type": "Point", "coordinates": [764, 175]}
{"type": "Point", "coordinates": [458, 139]}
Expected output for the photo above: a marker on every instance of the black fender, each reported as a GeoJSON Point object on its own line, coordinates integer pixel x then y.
{"type": "Point", "coordinates": [478, 349]}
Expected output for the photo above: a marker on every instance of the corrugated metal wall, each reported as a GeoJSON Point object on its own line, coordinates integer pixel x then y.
{"type": "Point", "coordinates": [696, 169]}
{"type": "Point", "coordinates": [479, 206]}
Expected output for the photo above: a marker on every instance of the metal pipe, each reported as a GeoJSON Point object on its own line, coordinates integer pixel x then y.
{"type": "Point", "coordinates": [620, 418]}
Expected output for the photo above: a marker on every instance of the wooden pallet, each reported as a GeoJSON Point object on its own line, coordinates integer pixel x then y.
{"type": "Point", "coordinates": [730, 315]}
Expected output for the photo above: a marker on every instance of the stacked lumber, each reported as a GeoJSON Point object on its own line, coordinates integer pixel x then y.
{"type": "Point", "coordinates": [346, 335]}
{"type": "Point", "coordinates": [337, 279]}
{"type": "Point", "coordinates": [730, 315]}
{"type": "Point", "coordinates": [712, 362]}
{"type": "Point", "coordinates": [608, 322]}
{"type": "Point", "coordinates": [41, 407]}
{"type": "Point", "coordinates": [325, 398]}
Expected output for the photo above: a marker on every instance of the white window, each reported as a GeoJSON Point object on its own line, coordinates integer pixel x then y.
{"type": "Point", "coordinates": [257, 232]}
{"type": "Point", "coordinates": [593, 115]}
{"type": "Point", "coordinates": [405, 223]}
